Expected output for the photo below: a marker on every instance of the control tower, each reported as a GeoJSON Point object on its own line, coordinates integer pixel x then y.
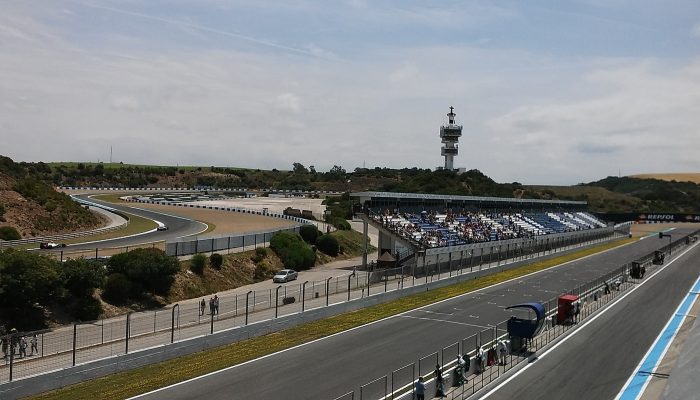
{"type": "Point", "coordinates": [450, 135]}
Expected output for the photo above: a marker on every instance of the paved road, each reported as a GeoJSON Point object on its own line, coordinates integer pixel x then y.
{"type": "Point", "coordinates": [599, 358]}
{"type": "Point", "coordinates": [338, 364]}
{"type": "Point", "coordinates": [177, 227]}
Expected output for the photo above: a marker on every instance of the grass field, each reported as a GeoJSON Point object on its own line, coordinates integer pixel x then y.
{"type": "Point", "coordinates": [678, 177]}
{"type": "Point", "coordinates": [136, 225]}
{"type": "Point", "coordinates": [144, 379]}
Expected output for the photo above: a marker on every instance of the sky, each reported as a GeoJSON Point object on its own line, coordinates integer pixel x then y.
{"type": "Point", "coordinates": [548, 92]}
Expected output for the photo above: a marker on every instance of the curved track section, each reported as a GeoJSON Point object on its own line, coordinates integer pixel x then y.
{"type": "Point", "coordinates": [177, 227]}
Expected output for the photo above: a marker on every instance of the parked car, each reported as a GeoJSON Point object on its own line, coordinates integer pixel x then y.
{"type": "Point", "coordinates": [285, 275]}
{"type": "Point", "coordinates": [162, 228]}
{"type": "Point", "coordinates": [51, 245]}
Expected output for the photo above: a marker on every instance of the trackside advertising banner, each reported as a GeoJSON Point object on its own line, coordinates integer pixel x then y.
{"type": "Point", "coordinates": [649, 217]}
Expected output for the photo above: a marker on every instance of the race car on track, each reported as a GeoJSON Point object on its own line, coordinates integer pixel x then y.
{"type": "Point", "coordinates": [162, 228]}
{"type": "Point", "coordinates": [51, 245]}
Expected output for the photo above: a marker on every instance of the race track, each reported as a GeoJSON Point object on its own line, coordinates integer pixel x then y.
{"type": "Point", "coordinates": [599, 358]}
{"type": "Point", "coordinates": [177, 227]}
{"type": "Point", "coordinates": [330, 367]}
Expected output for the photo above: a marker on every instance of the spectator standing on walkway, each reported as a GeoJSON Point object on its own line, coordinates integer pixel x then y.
{"type": "Point", "coordinates": [34, 341]}
{"type": "Point", "coordinates": [23, 346]}
{"type": "Point", "coordinates": [439, 382]}
{"type": "Point", "coordinates": [216, 304]}
{"type": "Point", "coordinates": [3, 344]}
{"type": "Point", "coordinates": [420, 389]}
{"type": "Point", "coordinates": [211, 305]}
{"type": "Point", "coordinates": [202, 306]}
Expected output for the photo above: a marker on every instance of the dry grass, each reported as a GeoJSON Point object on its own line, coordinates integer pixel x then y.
{"type": "Point", "coordinates": [144, 379]}
{"type": "Point", "coordinates": [678, 177]}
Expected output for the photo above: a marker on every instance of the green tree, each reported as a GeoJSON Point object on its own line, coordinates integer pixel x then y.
{"type": "Point", "coordinates": [216, 260]}
{"type": "Point", "coordinates": [292, 250]}
{"type": "Point", "coordinates": [309, 233]}
{"type": "Point", "coordinates": [81, 277]}
{"type": "Point", "coordinates": [27, 281]}
{"type": "Point", "coordinates": [148, 270]}
{"type": "Point", "coordinates": [118, 289]}
{"type": "Point", "coordinates": [197, 263]}
{"type": "Point", "coordinates": [299, 168]}
{"type": "Point", "coordinates": [329, 245]}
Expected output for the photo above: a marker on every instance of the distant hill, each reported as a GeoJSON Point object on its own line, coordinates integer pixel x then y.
{"type": "Point", "coordinates": [34, 208]}
{"type": "Point", "coordinates": [611, 195]}
{"type": "Point", "coordinates": [678, 177]}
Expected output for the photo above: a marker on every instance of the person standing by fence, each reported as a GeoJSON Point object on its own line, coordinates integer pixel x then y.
{"type": "Point", "coordinates": [216, 304]}
{"type": "Point", "coordinates": [439, 382]}
{"type": "Point", "coordinates": [420, 389]}
{"type": "Point", "coordinates": [34, 341]}
{"type": "Point", "coordinates": [202, 306]}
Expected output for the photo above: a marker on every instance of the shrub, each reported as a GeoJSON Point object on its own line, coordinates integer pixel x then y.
{"type": "Point", "coordinates": [328, 244]}
{"type": "Point", "coordinates": [81, 277]}
{"type": "Point", "coordinates": [197, 263]}
{"type": "Point", "coordinates": [262, 272]}
{"type": "Point", "coordinates": [117, 289]}
{"type": "Point", "coordinates": [292, 250]}
{"type": "Point", "coordinates": [309, 233]}
{"type": "Point", "coordinates": [87, 309]}
{"type": "Point", "coordinates": [9, 233]}
{"type": "Point", "coordinates": [28, 281]}
{"type": "Point", "coordinates": [261, 251]}
{"type": "Point", "coordinates": [216, 260]}
{"type": "Point", "coordinates": [147, 269]}
{"type": "Point", "coordinates": [341, 224]}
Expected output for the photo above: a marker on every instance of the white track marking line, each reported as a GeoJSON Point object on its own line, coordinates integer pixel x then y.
{"type": "Point", "coordinates": [580, 328]}
{"type": "Point", "coordinates": [371, 323]}
{"type": "Point", "coordinates": [446, 321]}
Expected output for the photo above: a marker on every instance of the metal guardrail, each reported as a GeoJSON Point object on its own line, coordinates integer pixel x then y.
{"type": "Point", "coordinates": [192, 189]}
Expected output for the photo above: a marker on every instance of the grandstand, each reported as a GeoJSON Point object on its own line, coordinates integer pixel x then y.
{"type": "Point", "coordinates": [409, 222]}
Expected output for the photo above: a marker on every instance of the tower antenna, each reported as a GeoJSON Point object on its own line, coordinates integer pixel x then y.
{"type": "Point", "coordinates": [450, 135]}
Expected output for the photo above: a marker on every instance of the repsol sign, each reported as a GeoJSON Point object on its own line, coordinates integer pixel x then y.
{"type": "Point", "coordinates": [649, 217]}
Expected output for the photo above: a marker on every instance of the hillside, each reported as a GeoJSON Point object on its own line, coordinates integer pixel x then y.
{"type": "Point", "coordinates": [34, 208]}
{"type": "Point", "coordinates": [678, 177]}
{"type": "Point", "coordinates": [613, 195]}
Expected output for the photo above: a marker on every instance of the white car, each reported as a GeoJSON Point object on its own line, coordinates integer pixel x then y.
{"type": "Point", "coordinates": [51, 245]}
{"type": "Point", "coordinates": [285, 275]}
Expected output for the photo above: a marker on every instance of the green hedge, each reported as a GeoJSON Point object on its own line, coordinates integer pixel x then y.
{"type": "Point", "coordinates": [294, 252]}
{"type": "Point", "coordinates": [328, 244]}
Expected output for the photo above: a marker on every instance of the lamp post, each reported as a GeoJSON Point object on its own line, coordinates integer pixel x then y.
{"type": "Point", "coordinates": [668, 235]}
{"type": "Point", "coordinates": [303, 295]}
{"type": "Point", "coordinates": [246, 305]}
{"type": "Point", "coordinates": [277, 299]}
{"type": "Point", "coordinates": [328, 281]}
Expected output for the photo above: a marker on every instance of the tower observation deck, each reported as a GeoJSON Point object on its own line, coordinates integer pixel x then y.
{"type": "Point", "coordinates": [450, 135]}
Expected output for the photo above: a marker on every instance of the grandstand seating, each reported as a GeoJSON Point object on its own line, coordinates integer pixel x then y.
{"type": "Point", "coordinates": [433, 229]}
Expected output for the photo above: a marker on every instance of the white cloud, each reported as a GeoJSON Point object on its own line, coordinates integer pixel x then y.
{"type": "Point", "coordinates": [404, 73]}
{"type": "Point", "coordinates": [527, 117]}
{"type": "Point", "coordinates": [695, 31]}
{"type": "Point", "coordinates": [289, 102]}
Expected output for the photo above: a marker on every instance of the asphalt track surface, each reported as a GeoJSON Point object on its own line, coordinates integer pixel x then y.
{"type": "Point", "coordinates": [596, 362]}
{"type": "Point", "coordinates": [330, 367]}
{"type": "Point", "coordinates": [177, 227]}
